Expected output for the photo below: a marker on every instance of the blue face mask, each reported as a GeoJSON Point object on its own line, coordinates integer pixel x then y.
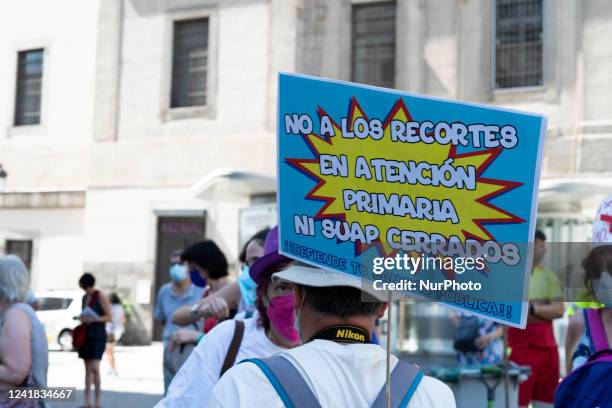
{"type": "Point", "coordinates": [178, 272]}
{"type": "Point", "coordinates": [197, 279]}
{"type": "Point", "coordinates": [248, 287]}
{"type": "Point", "coordinates": [602, 288]}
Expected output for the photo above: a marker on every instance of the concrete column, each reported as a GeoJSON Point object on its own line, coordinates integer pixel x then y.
{"type": "Point", "coordinates": [475, 48]}
{"type": "Point", "coordinates": [283, 49]}
{"type": "Point", "coordinates": [597, 55]}
{"type": "Point", "coordinates": [409, 54]}
{"type": "Point", "coordinates": [108, 70]}
{"type": "Point", "coordinates": [336, 44]}
{"type": "Point", "coordinates": [566, 43]}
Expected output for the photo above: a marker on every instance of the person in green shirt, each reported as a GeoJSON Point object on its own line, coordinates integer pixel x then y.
{"type": "Point", "coordinates": [535, 346]}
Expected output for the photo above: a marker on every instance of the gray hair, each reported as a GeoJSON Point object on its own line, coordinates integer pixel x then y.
{"type": "Point", "coordinates": [14, 284]}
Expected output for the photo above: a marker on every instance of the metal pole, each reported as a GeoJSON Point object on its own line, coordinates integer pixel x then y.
{"type": "Point", "coordinates": [400, 324]}
{"type": "Point", "coordinates": [506, 367]}
{"type": "Point", "coordinates": [388, 381]}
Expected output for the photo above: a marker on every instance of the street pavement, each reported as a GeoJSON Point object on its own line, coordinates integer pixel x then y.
{"type": "Point", "coordinates": [139, 384]}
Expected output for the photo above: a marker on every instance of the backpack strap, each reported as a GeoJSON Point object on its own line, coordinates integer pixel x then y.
{"type": "Point", "coordinates": [596, 329]}
{"type": "Point", "coordinates": [287, 381]}
{"type": "Point", "coordinates": [295, 392]}
{"type": "Point", "coordinates": [234, 346]}
{"type": "Point", "coordinates": [405, 379]}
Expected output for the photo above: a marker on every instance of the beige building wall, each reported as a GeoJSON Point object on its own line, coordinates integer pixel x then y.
{"type": "Point", "coordinates": [48, 164]}
{"type": "Point", "coordinates": [147, 156]}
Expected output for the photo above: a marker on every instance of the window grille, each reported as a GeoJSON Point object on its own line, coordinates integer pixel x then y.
{"type": "Point", "coordinates": [518, 43]}
{"type": "Point", "coordinates": [373, 44]}
{"type": "Point", "coordinates": [190, 63]}
{"type": "Point", "coordinates": [29, 87]}
{"type": "Point", "coordinates": [21, 248]}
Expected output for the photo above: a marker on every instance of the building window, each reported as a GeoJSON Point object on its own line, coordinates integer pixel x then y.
{"type": "Point", "coordinates": [189, 63]}
{"type": "Point", "coordinates": [21, 248]}
{"type": "Point", "coordinates": [373, 44]}
{"type": "Point", "coordinates": [29, 87]}
{"type": "Point", "coordinates": [518, 43]}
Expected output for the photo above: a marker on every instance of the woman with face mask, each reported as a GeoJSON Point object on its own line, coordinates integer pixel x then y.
{"type": "Point", "coordinates": [208, 267]}
{"type": "Point", "coordinates": [170, 297]}
{"type": "Point", "coordinates": [250, 253]}
{"type": "Point", "coordinates": [579, 344]}
{"type": "Point", "coordinates": [239, 295]}
{"type": "Point", "coordinates": [270, 330]}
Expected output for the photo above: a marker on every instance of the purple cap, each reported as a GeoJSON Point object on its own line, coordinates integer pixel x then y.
{"type": "Point", "coordinates": [270, 258]}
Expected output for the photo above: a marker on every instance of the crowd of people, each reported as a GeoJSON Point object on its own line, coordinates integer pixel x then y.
{"type": "Point", "coordinates": [288, 334]}
{"type": "Point", "coordinates": [295, 305]}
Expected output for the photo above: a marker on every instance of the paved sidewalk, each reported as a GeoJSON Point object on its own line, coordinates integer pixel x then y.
{"type": "Point", "coordinates": [139, 384]}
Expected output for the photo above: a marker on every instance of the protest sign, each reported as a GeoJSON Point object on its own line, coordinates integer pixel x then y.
{"type": "Point", "coordinates": [423, 196]}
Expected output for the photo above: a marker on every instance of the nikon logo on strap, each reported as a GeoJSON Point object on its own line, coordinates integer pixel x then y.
{"type": "Point", "coordinates": [344, 334]}
{"type": "Point", "coordinates": [350, 335]}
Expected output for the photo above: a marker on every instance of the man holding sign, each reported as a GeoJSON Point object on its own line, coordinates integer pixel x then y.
{"type": "Point", "coordinates": [536, 346]}
{"type": "Point", "coordinates": [402, 193]}
{"type": "Point", "coordinates": [336, 366]}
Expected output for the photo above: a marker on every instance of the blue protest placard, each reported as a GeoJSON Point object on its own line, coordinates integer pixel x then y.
{"type": "Point", "coordinates": [426, 197]}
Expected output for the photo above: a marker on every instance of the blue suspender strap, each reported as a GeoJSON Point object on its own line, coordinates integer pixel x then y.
{"type": "Point", "coordinates": [273, 380]}
{"type": "Point", "coordinates": [287, 381]}
{"type": "Point", "coordinates": [587, 331]}
{"type": "Point", "coordinates": [405, 379]}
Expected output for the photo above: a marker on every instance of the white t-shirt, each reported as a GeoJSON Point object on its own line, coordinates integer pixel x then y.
{"type": "Point", "coordinates": [192, 385]}
{"type": "Point", "coordinates": [339, 375]}
{"type": "Point", "coordinates": [116, 325]}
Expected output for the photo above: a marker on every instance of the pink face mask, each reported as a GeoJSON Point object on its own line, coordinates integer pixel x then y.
{"type": "Point", "coordinates": [282, 316]}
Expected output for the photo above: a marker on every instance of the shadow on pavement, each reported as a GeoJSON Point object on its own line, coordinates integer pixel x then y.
{"type": "Point", "coordinates": [117, 399]}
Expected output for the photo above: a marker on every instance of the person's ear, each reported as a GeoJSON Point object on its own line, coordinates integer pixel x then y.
{"type": "Point", "coordinates": [381, 310]}
{"type": "Point", "coordinates": [265, 301]}
{"type": "Point", "coordinates": [299, 294]}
